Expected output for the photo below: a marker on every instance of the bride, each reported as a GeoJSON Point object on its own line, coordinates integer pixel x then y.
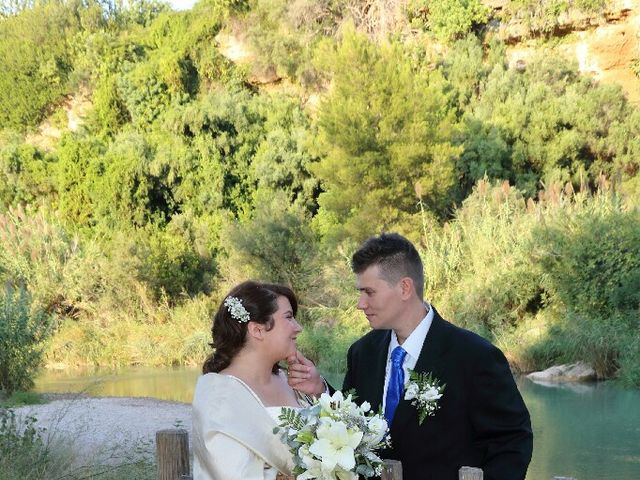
{"type": "Point", "coordinates": [238, 399]}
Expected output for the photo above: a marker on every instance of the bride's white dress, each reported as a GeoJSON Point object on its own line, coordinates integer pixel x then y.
{"type": "Point", "coordinates": [233, 435]}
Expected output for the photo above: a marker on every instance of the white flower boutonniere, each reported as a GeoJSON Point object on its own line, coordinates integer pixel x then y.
{"type": "Point", "coordinates": [424, 391]}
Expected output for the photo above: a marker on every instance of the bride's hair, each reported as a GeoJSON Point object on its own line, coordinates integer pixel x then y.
{"type": "Point", "coordinates": [260, 300]}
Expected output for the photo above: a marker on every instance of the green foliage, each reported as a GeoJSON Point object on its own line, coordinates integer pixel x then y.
{"type": "Point", "coordinates": [590, 260]}
{"type": "Point", "coordinates": [384, 140]}
{"type": "Point", "coordinates": [23, 448]}
{"type": "Point", "coordinates": [328, 333]}
{"type": "Point", "coordinates": [21, 398]}
{"type": "Point", "coordinates": [284, 34]}
{"type": "Point", "coordinates": [479, 270]}
{"type": "Point", "coordinates": [127, 191]}
{"type": "Point", "coordinates": [544, 125]}
{"type": "Point", "coordinates": [22, 333]}
{"type": "Point", "coordinates": [24, 172]}
{"type": "Point", "coordinates": [30, 451]}
{"type": "Point", "coordinates": [276, 244]}
{"type": "Point", "coordinates": [542, 279]}
{"type": "Point", "coordinates": [169, 263]}
{"type": "Point", "coordinates": [218, 155]}
{"type": "Point", "coordinates": [185, 178]}
{"type": "Point", "coordinates": [448, 19]}
{"type": "Point", "coordinates": [76, 172]}
{"type": "Point", "coordinates": [109, 109]}
{"type": "Point", "coordinates": [142, 332]}
{"type": "Point", "coordinates": [36, 61]}
{"type": "Point", "coordinates": [283, 161]}
{"type": "Point", "coordinates": [543, 16]}
{"type": "Point", "coordinates": [35, 251]}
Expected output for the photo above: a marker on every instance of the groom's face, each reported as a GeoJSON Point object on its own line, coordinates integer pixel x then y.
{"type": "Point", "coordinates": [380, 300]}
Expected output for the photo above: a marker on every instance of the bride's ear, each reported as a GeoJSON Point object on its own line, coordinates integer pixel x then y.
{"type": "Point", "coordinates": [256, 330]}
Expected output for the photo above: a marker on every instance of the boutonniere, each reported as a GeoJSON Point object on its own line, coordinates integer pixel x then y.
{"type": "Point", "coordinates": [424, 391]}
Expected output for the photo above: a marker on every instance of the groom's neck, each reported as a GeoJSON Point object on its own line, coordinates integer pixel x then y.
{"type": "Point", "coordinates": [415, 312]}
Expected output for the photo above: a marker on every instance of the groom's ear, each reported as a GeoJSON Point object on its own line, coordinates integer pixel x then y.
{"type": "Point", "coordinates": [407, 288]}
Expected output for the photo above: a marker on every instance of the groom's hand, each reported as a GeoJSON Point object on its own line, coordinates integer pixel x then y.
{"type": "Point", "coordinates": [304, 376]}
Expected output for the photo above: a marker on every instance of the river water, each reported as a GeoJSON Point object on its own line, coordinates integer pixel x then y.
{"type": "Point", "coordinates": [585, 431]}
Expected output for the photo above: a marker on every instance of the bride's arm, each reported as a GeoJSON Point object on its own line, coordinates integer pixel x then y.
{"type": "Point", "coordinates": [228, 459]}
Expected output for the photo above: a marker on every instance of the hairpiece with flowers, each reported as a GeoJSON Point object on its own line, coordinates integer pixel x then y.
{"type": "Point", "coordinates": [236, 309]}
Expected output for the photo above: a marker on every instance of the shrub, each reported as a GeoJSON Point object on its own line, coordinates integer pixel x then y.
{"type": "Point", "coordinates": [28, 451]}
{"type": "Point", "coordinates": [447, 19]}
{"type": "Point", "coordinates": [276, 244]}
{"type": "Point", "coordinates": [542, 17]}
{"type": "Point", "coordinates": [384, 140]}
{"type": "Point", "coordinates": [24, 172]}
{"type": "Point", "coordinates": [22, 332]}
{"type": "Point", "coordinates": [35, 252]}
{"type": "Point", "coordinates": [23, 448]}
{"type": "Point", "coordinates": [589, 258]}
{"type": "Point", "coordinates": [34, 77]}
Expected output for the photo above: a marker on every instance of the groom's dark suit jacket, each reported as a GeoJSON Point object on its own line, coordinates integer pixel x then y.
{"type": "Point", "coordinates": [482, 420]}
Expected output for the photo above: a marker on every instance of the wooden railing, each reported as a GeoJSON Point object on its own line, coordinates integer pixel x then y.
{"type": "Point", "coordinates": [172, 449]}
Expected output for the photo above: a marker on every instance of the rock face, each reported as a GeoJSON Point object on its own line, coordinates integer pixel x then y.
{"type": "Point", "coordinates": [603, 47]}
{"type": "Point", "coordinates": [573, 372]}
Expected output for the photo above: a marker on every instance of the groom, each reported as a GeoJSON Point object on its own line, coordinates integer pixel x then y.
{"type": "Point", "coordinates": [481, 421]}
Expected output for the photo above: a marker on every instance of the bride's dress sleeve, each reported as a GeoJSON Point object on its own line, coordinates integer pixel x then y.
{"type": "Point", "coordinates": [229, 459]}
{"type": "Point", "coordinates": [231, 439]}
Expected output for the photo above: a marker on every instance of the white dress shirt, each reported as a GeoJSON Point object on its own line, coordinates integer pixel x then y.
{"type": "Point", "coordinates": [412, 345]}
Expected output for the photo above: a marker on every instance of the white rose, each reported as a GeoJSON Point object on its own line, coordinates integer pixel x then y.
{"type": "Point", "coordinates": [377, 429]}
{"type": "Point", "coordinates": [430, 394]}
{"type": "Point", "coordinates": [411, 392]}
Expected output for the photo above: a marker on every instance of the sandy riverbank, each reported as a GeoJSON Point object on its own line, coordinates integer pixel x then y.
{"type": "Point", "coordinates": [108, 426]}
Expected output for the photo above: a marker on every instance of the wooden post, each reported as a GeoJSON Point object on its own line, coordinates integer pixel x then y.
{"type": "Point", "coordinates": [172, 448]}
{"type": "Point", "coordinates": [470, 473]}
{"type": "Point", "coordinates": [391, 470]}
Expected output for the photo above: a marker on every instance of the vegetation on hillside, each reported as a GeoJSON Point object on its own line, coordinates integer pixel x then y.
{"type": "Point", "coordinates": [189, 175]}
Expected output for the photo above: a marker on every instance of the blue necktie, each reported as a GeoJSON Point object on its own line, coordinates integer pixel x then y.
{"type": "Point", "coordinates": [396, 383]}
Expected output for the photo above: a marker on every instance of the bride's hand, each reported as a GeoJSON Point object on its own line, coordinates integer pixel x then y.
{"type": "Point", "coordinates": [304, 376]}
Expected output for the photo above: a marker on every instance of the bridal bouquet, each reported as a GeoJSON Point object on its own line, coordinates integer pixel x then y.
{"type": "Point", "coordinates": [334, 439]}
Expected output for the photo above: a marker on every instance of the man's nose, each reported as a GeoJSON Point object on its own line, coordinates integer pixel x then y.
{"type": "Point", "coordinates": [362, 302]}
{"type": "Point", "coordinates": [298, 327]}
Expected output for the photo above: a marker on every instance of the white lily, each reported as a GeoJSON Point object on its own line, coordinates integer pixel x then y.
{"type": "Point", "coordinates": [313, 467]}
{"type": "Point", "coordinates": [326, 401]}
{"type": "Point", "coordinates": [335, 445]}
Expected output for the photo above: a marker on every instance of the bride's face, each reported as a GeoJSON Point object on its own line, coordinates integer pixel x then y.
{"type": "Point", "coordinates": [285, 330]}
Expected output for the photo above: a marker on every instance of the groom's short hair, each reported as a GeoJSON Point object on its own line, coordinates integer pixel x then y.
{"type": "Point", "coordinates": [395, 256]}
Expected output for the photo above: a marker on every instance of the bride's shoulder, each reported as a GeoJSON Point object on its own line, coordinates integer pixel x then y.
{"type": "Point", "coordinates": [213, 380]}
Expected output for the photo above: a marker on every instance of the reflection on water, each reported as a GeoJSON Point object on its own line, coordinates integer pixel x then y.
{"type": "Point", "coordinates": [585, 431]}
{"type": "Point", "coordinates": [160, 382]}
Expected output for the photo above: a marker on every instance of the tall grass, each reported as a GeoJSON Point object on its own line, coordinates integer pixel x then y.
{"type": "Point", "coordinates": [28, 451]}
{"type": "Point", "coordinates": [550, 280]}
{"type": "Point", "coordinates": [157, 335]}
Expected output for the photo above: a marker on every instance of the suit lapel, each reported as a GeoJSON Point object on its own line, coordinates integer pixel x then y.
{"type": "Point", "coordinates": [430, 354]}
